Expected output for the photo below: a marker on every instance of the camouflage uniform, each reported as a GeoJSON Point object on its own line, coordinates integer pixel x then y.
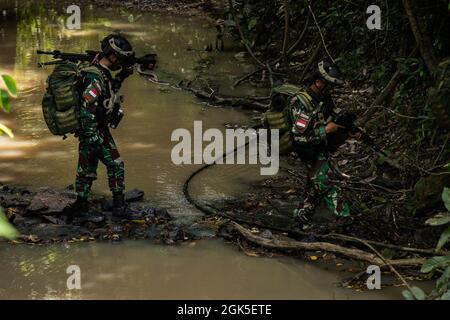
{"type": "Point", "coordinates": [96, 141]}
{"type": "Point", "coordinates": [308, 117]}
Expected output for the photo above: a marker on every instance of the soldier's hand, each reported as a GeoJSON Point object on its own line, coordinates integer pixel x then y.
{"type": "Point", "coordinates": [332, 127]}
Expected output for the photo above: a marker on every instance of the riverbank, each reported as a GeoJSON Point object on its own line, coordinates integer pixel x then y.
{"type": "Point", "coordinates": [209, 10]}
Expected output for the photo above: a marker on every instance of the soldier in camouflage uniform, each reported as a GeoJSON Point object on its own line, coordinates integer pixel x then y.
{"type": "Point", "coordinates": [304, 119]}
{"type": "Point", "coordinates": [98, 110]}
{"type": "Point", "coordinates": [315, 136]}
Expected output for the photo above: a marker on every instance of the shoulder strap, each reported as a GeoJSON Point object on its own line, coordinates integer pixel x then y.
{"type": "Point", "coordinates": [305, 99]}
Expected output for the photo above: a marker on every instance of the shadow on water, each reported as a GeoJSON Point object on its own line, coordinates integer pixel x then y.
{"type": "Point", "coordinates": [35, 158]}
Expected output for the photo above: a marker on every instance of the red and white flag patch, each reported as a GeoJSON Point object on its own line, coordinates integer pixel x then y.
{"type": "Point", "coordinates": [91, 95]}
{"type": "Point", "coordinates": [302, 122]}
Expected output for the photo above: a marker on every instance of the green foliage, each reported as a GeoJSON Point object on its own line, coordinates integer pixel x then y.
{"type": "Point", "coordinates": [10, 84]}
{"type": "Point", "coordinates": [445, 236]}
{"type": "Point", "coordinates": [439, 263]}
{"type": "Point", "coordinates": [439, 219]}
{"type": "Point", "coordinates": [414, 294]}
{"type": "Point", "coordinates": [6, 229]}
{"type": "Point", "coordinates": [435, 262]}
{"type": "Point", "coordinates": [8, 88]}
{"type": "Point", "coordinates": [446, 198]}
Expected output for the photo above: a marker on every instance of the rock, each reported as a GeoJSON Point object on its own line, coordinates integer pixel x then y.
{"type": "Point", "coordinates": [15, 200]}
{"type": "Point", "coordinates": [134, 195]}
{"type": "Point", "coordinates": [162, 214]}
{"type": "Point", "coordinates": [41, 217]}
{"type": "Point", "coordinates": [200, 231]}
{"type": "Point", "coordinates": [46, 232]}
{"type": "Point", "coordinates": [49, 202]}
{"type": "Point", "coordinates": [37, 204]}
{"type": "Point", "coordinates": [55, 219]}
{"type": "Point", "coordinates": [154, 231]}
{"type": "Point", "coordinates": [92, 217]}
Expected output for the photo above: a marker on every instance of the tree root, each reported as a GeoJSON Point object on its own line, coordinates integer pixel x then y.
{"type": "Point", "coordinates": [293, 245]}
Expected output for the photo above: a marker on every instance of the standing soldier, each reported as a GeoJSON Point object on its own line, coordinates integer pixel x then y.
{"type": "Point", "coordinates": [306, 127]}
{"type": "Point", "coordinates": [100, 109]}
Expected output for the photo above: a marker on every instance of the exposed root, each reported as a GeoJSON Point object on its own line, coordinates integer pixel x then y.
{"type": "Point", "coordinates": [293, 245]}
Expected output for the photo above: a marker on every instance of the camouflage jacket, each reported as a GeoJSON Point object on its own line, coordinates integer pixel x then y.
{"type": "Point", "coordinates": [95, 90]}
{"type": "Point", "coordinates": [309, 118]}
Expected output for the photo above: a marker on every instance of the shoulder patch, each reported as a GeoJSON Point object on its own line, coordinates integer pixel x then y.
{"type": "Point", "coordinates": [302, 122]}
{"type": "Point", "coordinates": [92, 92]}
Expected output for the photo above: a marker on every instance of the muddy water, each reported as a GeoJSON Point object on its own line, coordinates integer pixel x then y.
{"type": "Point", "coordinates": [208, 269]}
{"type": "Point", "coordinates": [204, 270]}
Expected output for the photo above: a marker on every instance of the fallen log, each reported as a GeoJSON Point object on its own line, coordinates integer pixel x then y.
{"type": "Point", "coordinates": [293, 245]}
{"type": "Point", "coordinates": [225, 101]}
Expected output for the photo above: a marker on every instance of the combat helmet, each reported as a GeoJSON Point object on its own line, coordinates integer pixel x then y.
{"type": "Point", "coordinates": [330, 72]}
{"type": "Point", "coordinates": [118, 45]}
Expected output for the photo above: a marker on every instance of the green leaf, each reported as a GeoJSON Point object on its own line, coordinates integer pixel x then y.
{"type": "Point", "coordinates": [6, 229]}
{"type": "Point", "coordinates": [443, 239]}
{"type": "Point", "coordinates": [252, 23]}
{"type": "Point", "coordinates": [446, 296]}
{"type": "Point", "coordinates": [435, 262]}
{"type": "Point", "coordinates": [414, 294]}
{"type": "Point", "coordinates": [442, 284]}
{"type": "Point", "coordinates": [407, 295]}
{"type": "Point", "coordinates": [439, 219]}
{"type": "Point", "coordinates": [5, 129]}
{"type": "Point", "coordinates": [446, 198]}
{"type": "Point", "coordinates": [418, 293]}
{"type": "Point", "coordinates": [10, 84]}
{"type": "Point", "coordinates": [4, 101]}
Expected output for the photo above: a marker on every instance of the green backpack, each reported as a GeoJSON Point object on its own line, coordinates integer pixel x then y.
{"type": "Point", "coordinates": [61, 102]}
{"type": "Point", "coordinates": [279, 114]}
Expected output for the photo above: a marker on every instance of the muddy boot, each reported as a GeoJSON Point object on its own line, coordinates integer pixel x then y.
{"type": "Point", "coordinates": [78, 208]}
{"type": "Point", "coordinates": [119, 205]}
{"type": "Point", "coordinates": [81, 205]}
{"type": "Point", "coordinates": [122, 211]}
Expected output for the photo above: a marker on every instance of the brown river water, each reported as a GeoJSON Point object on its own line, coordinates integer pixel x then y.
{"type": "Point", "coordinates": [138, 269]}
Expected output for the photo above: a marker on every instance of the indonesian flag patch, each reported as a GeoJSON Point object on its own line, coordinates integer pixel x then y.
{"type": "Point", "coordinates": [302, 122]}
{"type": "Point", "coordinates": [91, 95]}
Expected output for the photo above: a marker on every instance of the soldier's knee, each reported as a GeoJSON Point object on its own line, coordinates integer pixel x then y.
{"type": "Point", "coordinates": [117, 166]}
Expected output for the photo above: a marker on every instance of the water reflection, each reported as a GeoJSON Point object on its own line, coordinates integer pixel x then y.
{"type": "Point", "coordinates": [135, 270]}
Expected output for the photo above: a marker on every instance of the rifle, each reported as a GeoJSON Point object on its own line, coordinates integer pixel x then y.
{"type": "Point", "coordinates": [347, 120]}
{"type": "Point", "coordinates": [146, 62]}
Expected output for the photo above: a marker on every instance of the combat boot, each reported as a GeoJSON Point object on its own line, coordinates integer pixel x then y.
{"type": "Point", "coordinates": [81, 205]}
{"type": "Point", "coordinates": [119, 205]}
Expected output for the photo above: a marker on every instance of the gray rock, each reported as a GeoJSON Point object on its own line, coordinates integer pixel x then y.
{"type": "Point", "coordinates": [49, 202]}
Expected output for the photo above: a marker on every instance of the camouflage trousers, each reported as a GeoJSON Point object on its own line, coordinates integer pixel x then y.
{"type": "Point", "coordinates": [104, 150]}
{"type": "Point", "coordinates": [320, 178]}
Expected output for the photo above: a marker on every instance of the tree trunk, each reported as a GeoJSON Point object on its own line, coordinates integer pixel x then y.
{"type": "Point", "coordinates": [423, 40]}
